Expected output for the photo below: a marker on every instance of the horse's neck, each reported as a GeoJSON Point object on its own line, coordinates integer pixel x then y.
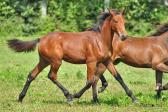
{"type": "Point", "coordinates": [107, 34]}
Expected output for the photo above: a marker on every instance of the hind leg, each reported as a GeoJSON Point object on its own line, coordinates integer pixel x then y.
{"type": "Point", "coordinates": [53, 77]}
{"type": "Point", "coordinates": [32, 75]}
{"type": "Point", "coordinates": [159, 75]}
{"type": "Point", "coordinates": [99, 75]}
{"type": "Point", "coordinates": [163, 68]}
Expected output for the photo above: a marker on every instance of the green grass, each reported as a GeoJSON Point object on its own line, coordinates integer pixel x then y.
{"type": "Point", "coordinates": [44, 96]}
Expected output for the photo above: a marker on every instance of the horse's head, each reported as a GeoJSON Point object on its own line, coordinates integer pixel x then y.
{"type": "Point", "coordinates": [117, 23]}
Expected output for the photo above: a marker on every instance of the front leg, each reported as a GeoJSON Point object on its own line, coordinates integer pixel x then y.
{"type": "Point", "coordinates": [117, 76]}
{"type": "Point", "coordinates": [91, 70]}
{"type": "Point", "coordinates": [99, 75]}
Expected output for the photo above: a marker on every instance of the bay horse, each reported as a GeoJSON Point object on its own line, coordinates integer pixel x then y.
{"type": "Point", "coordinates": [142, 52]}
{"type": "Point", "coordinates": [88, 47]}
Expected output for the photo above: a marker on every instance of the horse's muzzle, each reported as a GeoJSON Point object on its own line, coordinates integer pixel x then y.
{"type": "Point", "coordinates": [123, 37]}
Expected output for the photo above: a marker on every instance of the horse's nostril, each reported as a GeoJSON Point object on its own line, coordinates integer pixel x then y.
{"type": "Point", "coordinates": [123, 37]}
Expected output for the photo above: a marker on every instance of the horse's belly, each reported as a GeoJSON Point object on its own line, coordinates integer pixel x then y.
{"type": "Point", "coordinates": [135, 64]}
{"type": "Point", "coordinates": [75, 59]}
{"type": "Point", "coordinates": [142, 63]}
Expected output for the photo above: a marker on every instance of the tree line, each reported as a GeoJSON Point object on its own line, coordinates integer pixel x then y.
{"type": "Point", "coordinates": [38, 17]}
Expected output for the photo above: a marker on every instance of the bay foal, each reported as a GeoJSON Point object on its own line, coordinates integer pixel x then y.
{"type": "Point", "coordinates": [89, 47]}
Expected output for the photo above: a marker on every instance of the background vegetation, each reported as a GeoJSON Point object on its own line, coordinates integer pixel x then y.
{"type": "Point", "coordinates": [24, 17]}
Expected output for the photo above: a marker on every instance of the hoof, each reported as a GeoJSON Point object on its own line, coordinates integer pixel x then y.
{"type": "Point", "coordinates": [158, 96]}
{"type": "Point", "coordinates": [70, 97]}
{"type": "Point", "coordinates": [95, 101]}
{"type": "Point", "coordinates": [70, 102]}
{"type": "Point", "coordinates": [135, 101]}
{"type": "Point", "coordinates": [75, 96]}
{"type": "Point", "coordinates": [101, 89]}
{"type": "Point", "coordinates": [20, 98]}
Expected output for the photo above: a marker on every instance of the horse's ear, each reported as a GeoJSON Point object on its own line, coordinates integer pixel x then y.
{"type": "Point", "coordinates": [112, 13]}
{"type": "Point", "coordinates": [123, 11]}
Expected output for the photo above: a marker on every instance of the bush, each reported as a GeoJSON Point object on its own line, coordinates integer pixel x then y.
{"type": "Point", "coordinates": [39, 26]}
{"type": "Point", "coordinates": [6, 10]}
{"type": "Point", "coordinates": [74, 16]}
{"type": "Point", "coordinates": [11, 27]}
{"type": "Point", "coordinates": [44, 25]}
{"type": "Point", "coordinates": [139, 28]}
{"type": "Point", "coordinates": [142, 16]}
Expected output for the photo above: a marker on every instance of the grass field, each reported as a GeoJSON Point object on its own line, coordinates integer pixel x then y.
{"type": "Point", "coordinates": [44, 96]}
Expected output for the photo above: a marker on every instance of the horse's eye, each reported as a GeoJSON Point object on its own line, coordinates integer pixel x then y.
{"type": "Point", "coordinates": [115, 21]}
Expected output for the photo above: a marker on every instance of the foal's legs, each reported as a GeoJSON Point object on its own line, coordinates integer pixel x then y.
{"type": "Point", "coordinates": [104, 84]}
{"type": "Point", "coordinates": [91, 70]}
{"type": "Point", "coordinates": [117, 76]}
{"type": "Point", "coordinates": [53, 77]}
{"type": "Point", "coordinates": [32, 75]}
{"type": "Point", "coordinates": [159, 75]}
{"type": "Point", "coordinates": [100, 70]}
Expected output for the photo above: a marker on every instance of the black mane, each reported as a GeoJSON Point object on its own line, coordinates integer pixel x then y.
{"type": "Point", "coordinates": [161, 30]}
{"type": "Point", "coordinates": [96, 27]}
{"type": "Point", "coordinates": [101, 19]}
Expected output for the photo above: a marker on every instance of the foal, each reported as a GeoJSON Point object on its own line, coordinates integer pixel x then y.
{"type": "Point", "coordinates": [89, 47]}
{"type": "Point", "coordinates": [148, 52]}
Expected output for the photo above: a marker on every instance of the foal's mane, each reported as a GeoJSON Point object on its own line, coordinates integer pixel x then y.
{"type": "Point", "coordinates": [161, 30]}
{"type": "Point", "coordinates": [102, 17]}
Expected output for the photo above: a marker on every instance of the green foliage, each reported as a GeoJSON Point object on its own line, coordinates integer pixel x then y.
{"type": "Point", "coordinates": [6, 10]}
{"type": "Point", "coordinates": [142, 16]}
{"type": "Point", "coordinates": [39, 25]}
{"type": "Point", "coordinates": [139, 28]}
{"type": "Point", "coordinates": [12, 26]}
{"type": "Point", "coordinates": [71, 15]}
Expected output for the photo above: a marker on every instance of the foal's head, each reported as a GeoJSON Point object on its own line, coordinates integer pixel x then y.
{"type": "Point", "coordinates": [117, 23]}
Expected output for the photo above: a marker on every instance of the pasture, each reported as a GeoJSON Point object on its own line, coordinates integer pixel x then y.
{"type": "Point", "coordinates": [44, 96]}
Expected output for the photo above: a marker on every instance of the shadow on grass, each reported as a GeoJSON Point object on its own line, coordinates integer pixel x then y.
{"type": "Point", "coordinates": [151, 100]}
{"type": "Point", "coordinates": [111, 101]}
{"type": "Point", "coordinates": [145, 100]}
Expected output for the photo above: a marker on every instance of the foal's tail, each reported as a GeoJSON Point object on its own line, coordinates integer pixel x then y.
{"type": "Point", "coordinates": [22, 46]}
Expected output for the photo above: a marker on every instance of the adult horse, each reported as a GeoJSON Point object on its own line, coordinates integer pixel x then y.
{"type": "Point", "coordinates": [146, 52]}
{"type": "Point", "coordinates": [89, 47]}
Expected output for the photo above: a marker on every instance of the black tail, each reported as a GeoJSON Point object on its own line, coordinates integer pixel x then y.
{"type": "Point", "coordinates": [22, 46]}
